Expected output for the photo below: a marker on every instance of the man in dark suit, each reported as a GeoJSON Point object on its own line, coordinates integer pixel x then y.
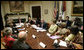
{"type": "Point", "coordinates": [20, 43]}
{"type": "Point", "coordinates": [68, 22]}
{"type": "Point", "coordinates": [30, 21]}
{"type": "Point", "coordinates": [43, 24]}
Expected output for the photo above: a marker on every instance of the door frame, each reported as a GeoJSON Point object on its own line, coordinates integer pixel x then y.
{"type": "Point", "coordinates": [31, 9]}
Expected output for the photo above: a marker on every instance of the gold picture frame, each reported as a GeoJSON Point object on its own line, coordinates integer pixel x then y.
{"type": "Point", "coordinates": [77, 8]}
{"type": "Point", "coordinates": [16, 6]}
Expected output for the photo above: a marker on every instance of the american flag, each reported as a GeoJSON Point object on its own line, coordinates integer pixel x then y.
{"type": "Point", "coordinates": [55, 11]}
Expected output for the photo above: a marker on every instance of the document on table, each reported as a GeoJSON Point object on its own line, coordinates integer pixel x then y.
{"type": "Point", "coordinates": [63, 43]}
{"type": "Point", "coordinates": [41, 30]}
{"type": "Point", "coordinates": [35, 27]}
{"type": "Point", "coordinates": [21, 29]}
{"type": "Point", "coordinates": [38, 28]}
{"type": "Point", "coordinates": [55, 37]}
{"type": "Point", "coordinates": [19, 24]}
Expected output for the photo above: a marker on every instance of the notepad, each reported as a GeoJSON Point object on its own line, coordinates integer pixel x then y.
{"type": "Point", "coordinates": [42, 44]}
{"type": "Point", "coordinates": [63, 43]}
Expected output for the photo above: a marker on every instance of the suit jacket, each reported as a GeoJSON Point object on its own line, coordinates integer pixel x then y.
{"type": "Point", "coordinates": [37, 22]}
{"type": "Point", "coordinates": [31, 22]}
{"type": "Point", "coordinates": [44, 25]}
{"type": "Point", "coordinates": [68, 23]}
{"type": "Point", "coordinates": [20, 45]}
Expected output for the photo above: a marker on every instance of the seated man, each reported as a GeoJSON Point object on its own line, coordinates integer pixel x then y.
{"type": "Point", "coordinates": [8, 39]}
{"type": "Point", "coordinates": [20, 43]}
{"type": "Point", "coordinates": [68, 22]}
{"type": "Point", "coordinates": [43, 24]}
{"type": "Point", "coordinates": [53, 28]}
{"type": "Point", "coordinates": [30, 21]}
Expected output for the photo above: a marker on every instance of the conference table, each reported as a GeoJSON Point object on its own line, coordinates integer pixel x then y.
{"type": "Point", "coordinates": [40, 37]}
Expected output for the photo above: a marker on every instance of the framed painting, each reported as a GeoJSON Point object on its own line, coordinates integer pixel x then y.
{"type": "Point", "coordinates": [46, 11]}
{"type": "Point", "coordinates": [16, 6]}
{"type": "Point", "coordinates": [77, 8]}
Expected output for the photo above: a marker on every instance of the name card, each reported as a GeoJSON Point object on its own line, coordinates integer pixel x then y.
{"type": "Point", "coordinates": [48, 34]}
{"type": "Point", "coordinates": [26, 31]}
{"type": "Point", "coordinates": [34, 36]}
{"type": "Point", "coordinates": [42, 44]}
{"type": "Point", "coordinates": [56, 41]}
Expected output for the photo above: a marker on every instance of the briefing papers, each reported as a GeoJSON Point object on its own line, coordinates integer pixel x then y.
{"type": "Point", "coordinates": [63, 43]}
{"type": "Point", "coordinates": [38, 28]}
{"type": "Point", "coordinates": [19, 24]}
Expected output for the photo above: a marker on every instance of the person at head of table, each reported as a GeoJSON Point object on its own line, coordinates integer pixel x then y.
{"type": "Point", "coordinates": [43, 24]}
{"type": "Point", "coordinates": [62, 30]}
{"type": "Point", "coordinates": [30, 21]}
{"type": "Point", "coordinates": [53, 28]}
{"type": "Point", "coordinates": [73, 32]}
{"type": "Point", "coordinates": [8, 38]}
{"type": "Point", "coordinates": [60, 20]}
{"type": "Point", "coordinates": [20, 42]}
{"type": "Point", "coordinates": [68, 22]}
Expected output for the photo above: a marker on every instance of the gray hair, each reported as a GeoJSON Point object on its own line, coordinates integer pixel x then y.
{"type": "Point", "coordinates": [8, 30]}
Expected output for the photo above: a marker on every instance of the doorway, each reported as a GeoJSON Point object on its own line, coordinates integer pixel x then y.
{"type": "Point", "coordinates": [36, 12]}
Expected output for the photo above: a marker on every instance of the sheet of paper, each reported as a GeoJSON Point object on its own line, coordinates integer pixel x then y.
{"type": "Point", "coordinates": [55, 37]}
{"type": "Point", "coordinates": [38, 28]}
{"type": "Point", "coordinates": [42, 44]}
{"type": "Point", "coordinates": [19, 23]}
{"type": "Point", "coordinates": [18, 26]}
{"type": "Point", "coordinates": [34, 26]}
{"type": "Point", "coordinates": [21, 29]}
{"type": "Point", "coordinates": [42, 30]}
{"type": "Point", "coordinates": [63, 43]}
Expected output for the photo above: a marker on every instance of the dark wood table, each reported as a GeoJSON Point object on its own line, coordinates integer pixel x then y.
{"type": "Point", "coordinates": [40, 37]}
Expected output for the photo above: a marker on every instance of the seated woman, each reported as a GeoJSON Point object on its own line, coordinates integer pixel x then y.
{"type": "Point", "coordinates": [8, 39]}
{"type": "Point", "coordinates": [53, 27]}
{"type": "Point", "coordinates": [74, 31]}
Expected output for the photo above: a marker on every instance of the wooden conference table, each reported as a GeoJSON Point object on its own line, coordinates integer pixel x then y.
{"type": "Point", "coordinates": [40, 37]}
